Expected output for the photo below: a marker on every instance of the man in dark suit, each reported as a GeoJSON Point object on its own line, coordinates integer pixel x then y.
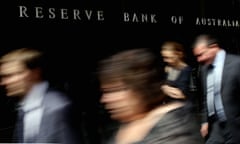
{"type": "Point", "coordinates": [220, 77]}
{"type": "Point", "coordinates": [45, 113]}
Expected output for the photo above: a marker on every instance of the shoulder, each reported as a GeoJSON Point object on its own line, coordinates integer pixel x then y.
{"type": "Point", "coordinates": [187, 68]}
{"type": "Point", "coordinates": [181, 120]}
{"type": "Point", "coordinates": [232, 58]}
{"type": "Point", "coordinates": [56, 99]}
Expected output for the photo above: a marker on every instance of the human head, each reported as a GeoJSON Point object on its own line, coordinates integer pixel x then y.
{"type": "Point", "coordinates": [172, 52]}
{"type": "Point", "coordinates": [130, 84]}
{"type": "Point", "coordinates": [205, 48]}
{"type": "Point", "coordinates": [20, 69]}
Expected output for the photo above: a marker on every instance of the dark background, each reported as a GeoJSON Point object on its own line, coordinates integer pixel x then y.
{"type": "Point", "coordinates": [73, 48]}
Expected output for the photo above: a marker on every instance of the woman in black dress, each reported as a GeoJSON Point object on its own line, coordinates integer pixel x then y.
{"type": "Point", "coordinates": [177, 71]}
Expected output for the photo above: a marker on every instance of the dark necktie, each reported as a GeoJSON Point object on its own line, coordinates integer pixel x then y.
{"type": "Point", "coordinates": [210, 91]}
{"type": "Point", "coordinates": [20, 126]}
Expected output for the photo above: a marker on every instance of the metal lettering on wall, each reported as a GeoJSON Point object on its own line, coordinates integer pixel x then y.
{"type": "Point", "coordinates": [98, 15]}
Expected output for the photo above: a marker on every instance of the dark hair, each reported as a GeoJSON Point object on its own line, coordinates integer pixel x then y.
{"type": "Point", "coordinates": [206, 38]}
{"type": "Point", "coordinates": [138, 70]}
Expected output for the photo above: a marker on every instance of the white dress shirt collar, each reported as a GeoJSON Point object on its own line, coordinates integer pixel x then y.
{"type": "Point", "coordinates": [35, 97]}
{"type": "Point", "coordinates": [220, 57]}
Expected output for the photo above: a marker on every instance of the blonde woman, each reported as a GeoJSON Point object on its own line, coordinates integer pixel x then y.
{"type": "Point", "coordinates": [177, 71]}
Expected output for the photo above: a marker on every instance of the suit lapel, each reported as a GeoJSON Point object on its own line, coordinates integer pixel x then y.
{"type": "Point", "coordinates": [225, 70]}
{"type": "Point", "coordinates": [204, 78]}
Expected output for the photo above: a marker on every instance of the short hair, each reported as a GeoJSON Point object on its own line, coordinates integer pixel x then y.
{"type": "Point", "coordinates": [138, 70]}
{"type": "Point", "coordinates": [31, 58]}
{"type": "Point", "coordinates": [205, 38]}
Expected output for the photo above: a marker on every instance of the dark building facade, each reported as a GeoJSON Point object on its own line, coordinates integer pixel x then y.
{"type": "Point", "coordinates": [76, 34]}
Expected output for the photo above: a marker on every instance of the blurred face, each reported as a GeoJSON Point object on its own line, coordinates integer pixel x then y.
{"type": "Point", "coordinates": [204, 54]}
{"type": "Point", "coordinates": [122, 103]}
{"type": "Point", "coordinates": [170, 57]}
{"type": "Point", "coordinates": [15, 78]}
